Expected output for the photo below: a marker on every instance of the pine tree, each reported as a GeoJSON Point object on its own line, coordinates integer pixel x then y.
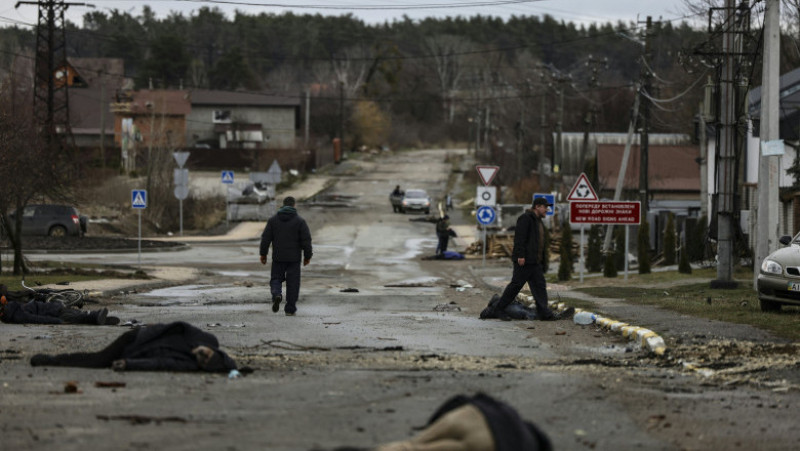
{"type": "Point", "coordinates": [565, 267]}
{"type": "Point", "coordinates": [644, 248]}
{"type": "Point", "coordinates": [669, 241]}
{"type": "Point", "coordinates": [684, 267]}
{"type": "Point", "coordinates": [594, 258]}
{"type": "Point", "coordinates": [610, 266]}
{"type": "Point", "coordinates": [619, 247]}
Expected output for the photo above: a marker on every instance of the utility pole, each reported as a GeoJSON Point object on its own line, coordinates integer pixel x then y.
{"type": "Point", "coordinates": [50, 86]}
{"type": "Point", "coordinates": [768, 165]}
{"type": "Point", "coordinates": [103, 106]}
{"type": "Point", "coordinates": [308, 118]}
{"type": "Point", "coordinates": [341, 113]}
{"type": "Point", "coordinates": [644, 144]}
{"type": "Point", "coordinates": [727, 148]}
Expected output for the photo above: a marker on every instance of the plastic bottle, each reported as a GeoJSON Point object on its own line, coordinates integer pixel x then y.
{"type": "Point", "coordinates": [584, 318]}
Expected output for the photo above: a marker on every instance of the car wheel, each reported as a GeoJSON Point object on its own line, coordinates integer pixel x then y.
{"type": "Point", "coordinates": [57, 231]}
{"type": "Point", "coordinates": [769, 306]}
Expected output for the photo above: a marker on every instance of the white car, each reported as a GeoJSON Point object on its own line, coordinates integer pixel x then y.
{"type": "Point", "coordinates": [416, 199]}
{"type": "Point", "coordinates": [779, 278]}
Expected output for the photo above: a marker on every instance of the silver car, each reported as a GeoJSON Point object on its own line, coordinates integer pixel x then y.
{"type": "Point", "coordinates": [779, 278]}
{"type": "Point", "coordinates": [416, 199]}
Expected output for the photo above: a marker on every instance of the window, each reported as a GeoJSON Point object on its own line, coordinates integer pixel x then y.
{"type": "Point", "coordinates": [222, 117]}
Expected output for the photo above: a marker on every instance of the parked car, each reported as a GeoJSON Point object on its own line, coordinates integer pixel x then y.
{"type": "Point", "coordinates": [52, 220]}
{"type": "Point", "coordinates": [779, 278]}
{"type": "Point", "coordinates": [416, 199]}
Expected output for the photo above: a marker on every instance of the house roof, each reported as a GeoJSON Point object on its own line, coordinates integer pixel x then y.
{"type": "Point", "coordinates": [669, 168]}
{"type": "Point", "coordinates": [98, 70]}
{"type": "Point", "coordinates": [160, 101]}
{"type": "Point", "coordinates": [236, 98]}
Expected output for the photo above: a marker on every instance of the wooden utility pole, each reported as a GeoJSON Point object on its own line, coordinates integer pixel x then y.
{"type": "Point", "coordinates": [768, 165]}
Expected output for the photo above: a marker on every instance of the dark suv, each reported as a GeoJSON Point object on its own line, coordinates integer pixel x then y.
{"type": "Point", "coordinates": [52, 220]}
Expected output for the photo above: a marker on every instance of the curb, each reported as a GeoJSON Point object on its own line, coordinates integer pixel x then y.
{"type": "Point", "coordinates": [645, 337]}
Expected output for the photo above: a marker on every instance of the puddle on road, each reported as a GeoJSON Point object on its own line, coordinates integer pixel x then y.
{"type": "Point", "coordinates": [413, 248]}
{"type": "Point", "coordinates": [185, 291]}
{"type": "Point", "coordinates": [415, 282]}
{"type": "Point", "coordinates": [234, 273]}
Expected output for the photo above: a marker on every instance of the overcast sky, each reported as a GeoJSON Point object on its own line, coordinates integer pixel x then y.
{"type": "Point", "coordinates": [377, 11]}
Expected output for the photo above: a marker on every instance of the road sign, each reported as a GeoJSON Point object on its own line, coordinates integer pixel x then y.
{"type": "Point", "coordinates": [139, 198]}
{"type": "Point", "coordinates": [582, 190]}
{"type": "Point", "coordinates": [227, 177]}
{"type": "Point", "coordinates": [180, 177]}
{"type": "Point", "coordinates": [486, 215]}
{"type": "Point", "coordinates": [180, 158]}
{"type": "Point", "coordinates": [181, 192]}
{"type": "Point", "coordinates": [610, 212]}
{"type": "Point", "coordinates": [487, 195]}
{"type": "Point", "coordinates": [551, 199]}
{"type": "Point", "coordinates": [487, 173]}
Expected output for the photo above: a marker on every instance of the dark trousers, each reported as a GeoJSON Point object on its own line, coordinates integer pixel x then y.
{"type": "Point", "coordinates": [99, 359]}
{"type": "Point", "coordinates": [533, 275]}
{"type": "Point", "coordinates": [442, 246]}
{"type": "Point", "coordinates": [288, 272]}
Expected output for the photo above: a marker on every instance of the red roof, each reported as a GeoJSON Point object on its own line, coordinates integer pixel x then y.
{"type": "Point", "coordinates": [669, 168]}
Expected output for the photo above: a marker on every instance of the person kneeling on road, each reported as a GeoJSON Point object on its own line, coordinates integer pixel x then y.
{"type": "Point", "coordinates": [528, 257]}
{"type": "Point", "coordinates": [38, 312]}
{"type": "Point", "coordinates": [177, 346]}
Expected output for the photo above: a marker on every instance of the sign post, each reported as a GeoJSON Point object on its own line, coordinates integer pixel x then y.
{"type": "Point", "coordinates": [485, 215]}
{"type": "Point", "coordinates": [139, 202]}
{"type": "Point", "coordinates": [181, 182]}
{"type": "Point", "coordinates": [606, 212]}
{"type": "Point", "coordinates": [227, 179]}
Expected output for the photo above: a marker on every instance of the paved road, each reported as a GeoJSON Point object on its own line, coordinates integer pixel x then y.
{"type": "Point", "coordinates": [361, 368]}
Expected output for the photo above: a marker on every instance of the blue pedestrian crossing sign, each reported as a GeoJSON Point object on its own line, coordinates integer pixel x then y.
{"type": "Point", "coordinates": [485, 215]}
{"type": "Point", "coordinates": [227, 177]}
{"type": "Point", "coordinates": [551, 199]}
{"type": "Point", "coordinates": [139, 198]}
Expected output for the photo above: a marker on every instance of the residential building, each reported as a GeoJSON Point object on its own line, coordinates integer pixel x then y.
{"type": "Point", "coordinates": [242, 120]}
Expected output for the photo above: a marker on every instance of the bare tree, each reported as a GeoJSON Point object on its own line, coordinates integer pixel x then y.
{"type": "Point", "coordinates": [449, 55]}
{"type": "Point", "coordinates": [31, 167]}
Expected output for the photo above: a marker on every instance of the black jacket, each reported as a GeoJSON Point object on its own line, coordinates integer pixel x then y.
{"type": "Point", "coordinates": [526, 238]}
{"type": "Point", "coordinates": [289, 236]}
{"type": "Point", "coordinates": [169, 347]}
{"type": "Point", "coordinates": [32, 312]}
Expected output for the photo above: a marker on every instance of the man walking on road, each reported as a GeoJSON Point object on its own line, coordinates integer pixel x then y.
{"type": "Point", "coordinates": [528, 259]}
{"type": "Point", "coordinates": [290, 238]}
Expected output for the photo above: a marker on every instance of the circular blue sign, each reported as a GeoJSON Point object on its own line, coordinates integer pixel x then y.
{"type": "Point", "coordinates": [485, 215]}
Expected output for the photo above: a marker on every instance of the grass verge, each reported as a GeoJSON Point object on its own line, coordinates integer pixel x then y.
{"type": "Point", "coordinates": [693, 295]}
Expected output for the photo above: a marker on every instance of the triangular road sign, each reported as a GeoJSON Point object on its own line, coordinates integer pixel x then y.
{"type": "Point", "coordinates": [582, 190]}
{"type": "Point", "coordinates": [487, 173]}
